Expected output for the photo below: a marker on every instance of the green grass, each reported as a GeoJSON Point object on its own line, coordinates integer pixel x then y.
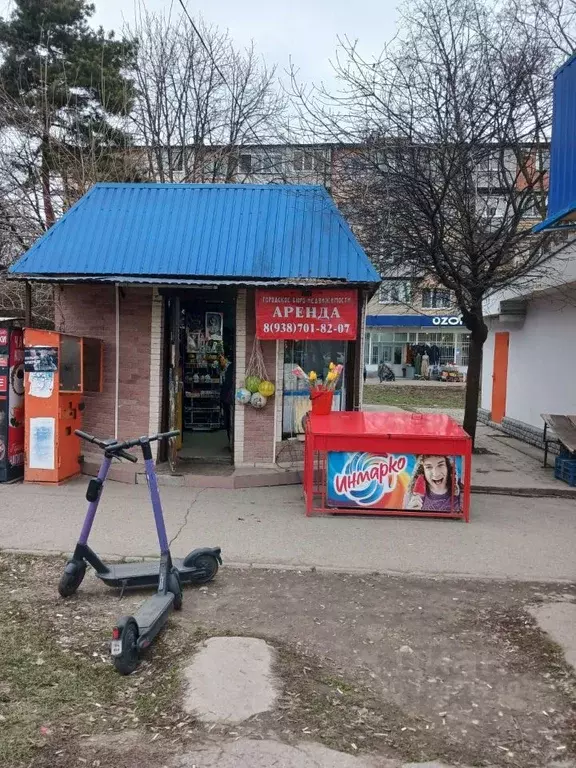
{"type": "Point", "coordinates": [405, 396]}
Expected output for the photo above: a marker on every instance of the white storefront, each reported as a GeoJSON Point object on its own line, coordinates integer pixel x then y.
{"type": "Point", "coordinates": [389, 339]}
{"type": "Point", "coordinates": [541, 365]}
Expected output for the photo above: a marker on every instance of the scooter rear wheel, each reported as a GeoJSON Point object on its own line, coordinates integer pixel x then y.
{"type": "Point", "coordinates": [208, 567]}
{"type": "Point", "coordinates": [127, 661]}
{"type": "Point", "coordinates": [72, 578]}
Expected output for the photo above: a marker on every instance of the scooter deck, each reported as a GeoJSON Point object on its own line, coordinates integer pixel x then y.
{"type": "Point", "coordinates": [151, 617]}
{"type": "Point", "coordinates": [143, 574]}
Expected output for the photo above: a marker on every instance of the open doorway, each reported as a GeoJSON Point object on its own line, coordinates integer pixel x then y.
{"type": "Point", "coordinates": [201, 376]}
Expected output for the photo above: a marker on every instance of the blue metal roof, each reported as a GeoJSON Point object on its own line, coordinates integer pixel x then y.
{"type": "Point", "coordinates": [201, 230]}
{"type": "Point", "coordinates": [562, 188]}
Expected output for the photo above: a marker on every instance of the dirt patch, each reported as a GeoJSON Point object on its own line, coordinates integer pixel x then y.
{"type": "Point", "coordinates": [410, 669]}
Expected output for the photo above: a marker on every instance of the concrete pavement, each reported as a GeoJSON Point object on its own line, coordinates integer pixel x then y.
{"type": "Point", "coordinates": [509, 537]}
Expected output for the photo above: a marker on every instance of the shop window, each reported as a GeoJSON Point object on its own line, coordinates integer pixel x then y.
{"type": "Point", "coordinates": [462, 352]}
{"type": "Point", "coordinates": [310, 356]}
{"type": "Point", "coordinates": [382, 352]}
{"type": "Point", "coordinates": [436, 298]}
{"type": "Point", "coordinates": [367, 349]}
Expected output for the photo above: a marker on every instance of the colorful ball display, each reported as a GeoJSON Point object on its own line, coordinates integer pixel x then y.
{"type": "Point", "coordinates": [257, 400]}
{"type": "Point", "coordinates": [252, 383]}
{"type": "Point", "coordinates": [266, 388]}
{"type": "Point", "coordinates": [243, 396]}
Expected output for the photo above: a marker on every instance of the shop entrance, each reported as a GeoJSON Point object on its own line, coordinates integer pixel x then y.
{"type": "Point", "coordinates": [200, 377]}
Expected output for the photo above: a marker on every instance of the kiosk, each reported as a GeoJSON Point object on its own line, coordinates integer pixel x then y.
{"type": "Point", "coordinates": [387, 464]}
{"type": "Point", "coordinates": [58, 370]}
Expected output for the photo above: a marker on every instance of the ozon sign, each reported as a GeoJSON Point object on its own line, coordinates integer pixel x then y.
{"type": "Point", "coordinates": [444, 320]}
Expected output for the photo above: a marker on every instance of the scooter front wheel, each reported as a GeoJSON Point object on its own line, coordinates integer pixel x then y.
{"type": "Point", "coordinates": [124, 647]}
{"type": "Point", "coordinates": [72, 577]}
{"type": "Point", "coordinates": [175, 587]}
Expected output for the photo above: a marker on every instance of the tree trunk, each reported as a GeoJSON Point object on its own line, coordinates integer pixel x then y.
{"type": "Point", "coordinates": [474, 321]}
{"type": "Point", "coordinates": [45, 179]}
{"type": "Point", "coordinates": [473, 386]}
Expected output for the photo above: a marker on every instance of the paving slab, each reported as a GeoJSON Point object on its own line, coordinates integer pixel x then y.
{"type": "Point", "coordinates": [508, 538]}
{"type": "Point", "coordinates": [267, 753]}
{"type": "Point", "coordinates": [230, 679]}
{"type": "Point", "coordinates": [558, 620]}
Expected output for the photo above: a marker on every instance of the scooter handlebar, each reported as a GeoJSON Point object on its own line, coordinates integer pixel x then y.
{"type": "Point", "coordinates": [84, 435]}
{"type": "Point", "coordinates": [126, 455]}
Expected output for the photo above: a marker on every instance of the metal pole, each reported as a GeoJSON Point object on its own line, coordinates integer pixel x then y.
{"type": "Point", "coordinates": [117, 393]}
{"type": "Point", "coordinates": [27, 304]}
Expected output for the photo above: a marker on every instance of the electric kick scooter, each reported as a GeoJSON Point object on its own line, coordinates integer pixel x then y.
{"type": "Point", "coordinates": [198, 567]}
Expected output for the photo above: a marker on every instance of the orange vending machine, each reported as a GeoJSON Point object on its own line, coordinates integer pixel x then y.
{"type": "Point", "coordinates": [58, 370]}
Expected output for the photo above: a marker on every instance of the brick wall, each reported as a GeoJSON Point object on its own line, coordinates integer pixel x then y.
{"type": "Point", "coordinates": [89, 310]}
{"type": "Point", "coordinates": [259, 427]}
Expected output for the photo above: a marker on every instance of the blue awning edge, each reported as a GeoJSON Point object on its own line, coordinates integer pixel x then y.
{"type": "Point", "coordinates": [556, 220]}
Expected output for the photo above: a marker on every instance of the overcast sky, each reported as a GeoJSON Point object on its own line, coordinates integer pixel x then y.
{"type": "Point", "coordinates": [305, 30]}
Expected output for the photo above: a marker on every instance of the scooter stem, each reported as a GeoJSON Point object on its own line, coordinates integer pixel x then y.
{"type": "Point", "coordinates": [155, 497]}
{"type": "Point", "coordinates": [93, 505]}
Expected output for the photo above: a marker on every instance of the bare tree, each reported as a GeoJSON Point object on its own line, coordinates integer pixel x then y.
{"type": "Point", "coordinates": [443, 144]}
{"type": "Point", "coordinates": [199, 100]}
{"type": "Point", "coordinates": [554, 21]}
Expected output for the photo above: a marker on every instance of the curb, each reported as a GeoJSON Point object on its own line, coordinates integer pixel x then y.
{"type": "Point", "coordinates": [327, 569]}
{"type": "Point", "coordinates": [532, 493]}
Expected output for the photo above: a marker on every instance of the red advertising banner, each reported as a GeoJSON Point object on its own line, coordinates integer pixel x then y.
{"type": "Point", "coordinates": [16, 399]}
{"type": "Point", "coordinates": [313, 315]}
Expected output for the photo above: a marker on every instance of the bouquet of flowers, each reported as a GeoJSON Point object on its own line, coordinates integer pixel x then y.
{"type": "Point", "coordinates": [317, 385]}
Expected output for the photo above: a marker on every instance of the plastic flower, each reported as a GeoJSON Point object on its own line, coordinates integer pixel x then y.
{"type": "Point", "coordinates": [331, 376]}
{"type": "Point", "coordinates": [331, 366]}
{"type": "Point", "coordinates": [312, 376]}
{"type": "Point", "coordinates": [299, 372]}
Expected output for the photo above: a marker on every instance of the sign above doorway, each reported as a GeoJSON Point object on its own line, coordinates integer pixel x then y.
{"type": "Point", "coordinates": [306, 314]}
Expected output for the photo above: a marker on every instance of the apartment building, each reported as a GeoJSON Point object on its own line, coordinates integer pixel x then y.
{"type": "Point", "coordinates": [529, 368]}
{"type": "Point", "coordinates": [405, 312]}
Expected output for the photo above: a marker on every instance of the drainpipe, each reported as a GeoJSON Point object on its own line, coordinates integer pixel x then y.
{"type": "Point", "coordinates": [117, 393]}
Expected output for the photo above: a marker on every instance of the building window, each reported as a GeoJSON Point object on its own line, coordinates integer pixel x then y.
{"type": "Point", "coordinates": [246, 164]}
{"type": "Point", "coordinates": [436, 298]}
{"type": "Point", "coordinates": [306, 160]}
{"type": "Point", "coordinates": [395, 292]}
{"type": "Point", "coordinates": [176, 159]}
{"type": "Point", "coordinates": [270, 164]}
{"type": "Point", "coordinates": [542, 160]}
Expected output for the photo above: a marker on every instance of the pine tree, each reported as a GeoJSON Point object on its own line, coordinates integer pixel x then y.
{"type": "Point", "coordinates": [64, 87]}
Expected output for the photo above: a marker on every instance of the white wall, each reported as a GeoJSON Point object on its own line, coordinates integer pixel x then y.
{"type": "Point", "coordinates": [554, 275]}
{"type": "Point", "coordinates": [541, 362]}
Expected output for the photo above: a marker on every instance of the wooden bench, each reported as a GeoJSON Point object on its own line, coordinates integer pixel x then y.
{"type": "Point", "coordinates": [564, 429]}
